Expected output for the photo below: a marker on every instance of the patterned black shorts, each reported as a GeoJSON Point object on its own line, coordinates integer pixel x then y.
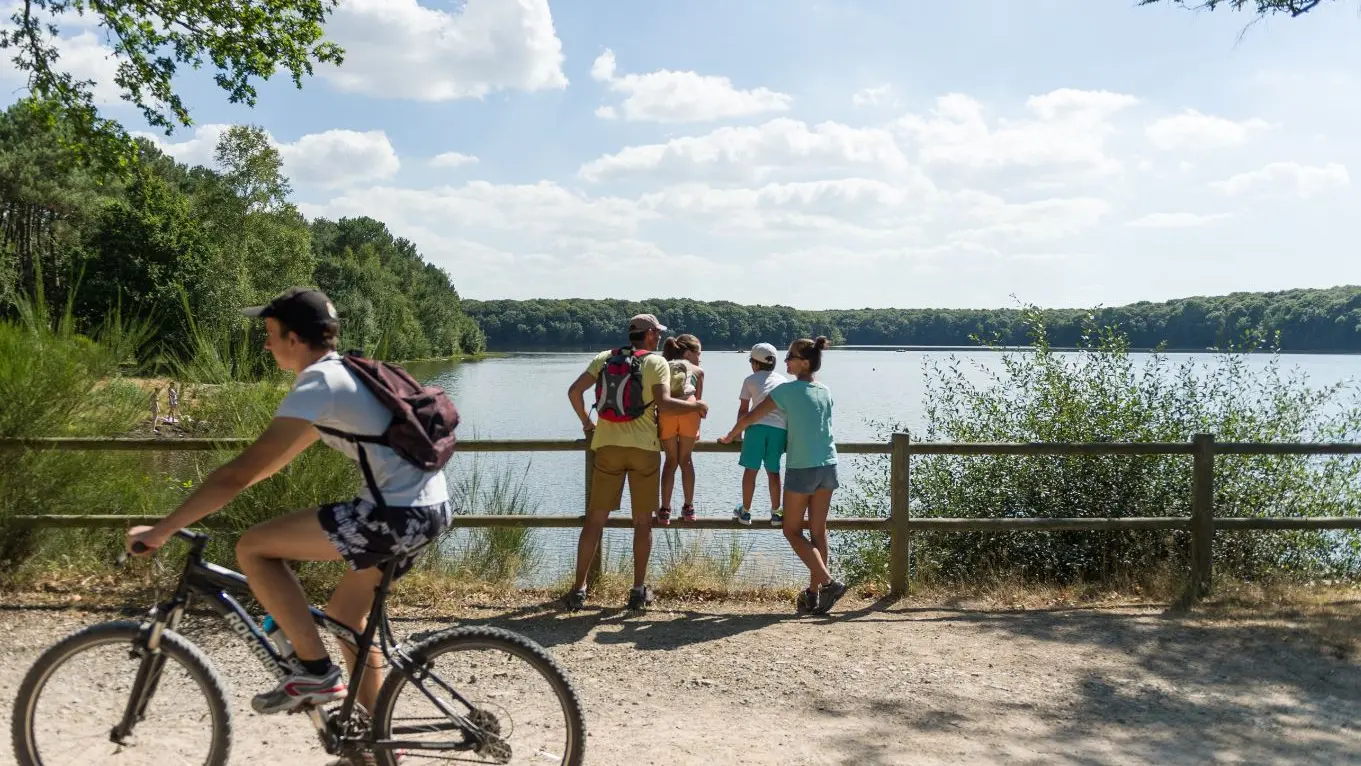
{"type": "Point", "coordinates": [368, 536]}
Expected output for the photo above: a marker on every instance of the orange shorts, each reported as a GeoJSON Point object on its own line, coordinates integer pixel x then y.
{"type": "Point", "coordinates": [673, 424]}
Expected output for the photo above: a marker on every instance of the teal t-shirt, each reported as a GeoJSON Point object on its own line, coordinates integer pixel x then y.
{"type": "Point", "coordinates": [807, 410]}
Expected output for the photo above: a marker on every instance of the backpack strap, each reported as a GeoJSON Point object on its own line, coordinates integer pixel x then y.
{"type": "Point", "coordinates": [357, 440]}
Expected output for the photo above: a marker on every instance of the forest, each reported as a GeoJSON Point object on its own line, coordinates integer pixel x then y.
{"type": "Point", "coordinates": [1304, 320]}
{"type": "Point", "coordinates": [183, 248]}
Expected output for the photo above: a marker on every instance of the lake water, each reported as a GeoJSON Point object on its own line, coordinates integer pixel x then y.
{"type": "Point", "coordinates": [524, 396]}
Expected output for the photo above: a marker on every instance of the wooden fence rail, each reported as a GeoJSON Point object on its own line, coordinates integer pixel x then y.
{"type": "Point", "coordinates": [1202, 523]}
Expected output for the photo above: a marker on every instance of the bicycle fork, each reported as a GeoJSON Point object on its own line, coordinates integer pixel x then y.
{"type": "Point", "coordinates": [148, 647]}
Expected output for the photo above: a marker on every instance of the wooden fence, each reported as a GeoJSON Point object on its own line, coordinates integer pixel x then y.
{"type": "Point", "coordinates": [1202, 523]}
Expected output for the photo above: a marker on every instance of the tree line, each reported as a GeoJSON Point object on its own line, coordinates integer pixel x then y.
{"type": "Point", "coordinates": [1323, 320]}
{"type": "Point", "coordinates": [186, 247]}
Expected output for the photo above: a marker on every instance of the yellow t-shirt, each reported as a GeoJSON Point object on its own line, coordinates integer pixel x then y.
{"type": "Point", "coordinates": [641, 432]}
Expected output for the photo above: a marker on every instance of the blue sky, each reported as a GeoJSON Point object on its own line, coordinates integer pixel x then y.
{"type": "Point", "coordinates": [828, 154]}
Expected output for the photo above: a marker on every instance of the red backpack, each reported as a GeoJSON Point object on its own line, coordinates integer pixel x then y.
{"type": "Point", "coordinates": [423, 418]}
{"type": "Point", "coordinates": [619, 387]}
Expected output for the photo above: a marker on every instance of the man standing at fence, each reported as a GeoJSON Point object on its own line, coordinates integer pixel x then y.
{"type": "Point", "coordinates": [631, 385]}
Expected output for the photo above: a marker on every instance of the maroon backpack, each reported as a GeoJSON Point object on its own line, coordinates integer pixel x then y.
{"type": "Point", "coordinates": [423, 418]}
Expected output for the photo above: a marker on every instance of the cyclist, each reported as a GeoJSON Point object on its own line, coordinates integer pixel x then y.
{"type": "Point", "coordinates": [302, 333]}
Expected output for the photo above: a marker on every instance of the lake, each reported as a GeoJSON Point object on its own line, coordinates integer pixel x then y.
{"type": "Point", "coordinates": [524, 396]}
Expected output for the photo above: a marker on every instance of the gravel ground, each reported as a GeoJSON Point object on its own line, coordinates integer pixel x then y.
{"type": "Point", "coordinates": [732, 683]}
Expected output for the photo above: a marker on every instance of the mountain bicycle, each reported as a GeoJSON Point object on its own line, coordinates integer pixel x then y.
{"type": "Point", "coordinates": [175, 690]}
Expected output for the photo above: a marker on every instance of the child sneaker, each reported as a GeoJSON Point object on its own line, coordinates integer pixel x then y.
{"type": "Point", "coordinates": [742, 515]}
{"type": "Point", "coordinates": [300, 689]}
{"type": "Point", "coordinates": [777, 517]}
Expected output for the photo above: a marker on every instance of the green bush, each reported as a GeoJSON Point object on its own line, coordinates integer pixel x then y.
{"type": "Point", "coordinates": [54, 382]}
{"type": "Point", "coordinates": [499, 555]}
{"type": "Point", "coordinates": [1101, 393]}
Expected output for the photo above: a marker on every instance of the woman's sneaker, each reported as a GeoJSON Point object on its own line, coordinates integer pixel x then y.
{"type": "Point", "coordinates": [639, 598]}
{"type": "Point", "coordinates": [301, 689]}
{"type": "Point", "coordinates": [828, 595]}
{"type": "Point", "coordinates": [742, 515]}
{"type": "Point", "coordinates": [574, 600]}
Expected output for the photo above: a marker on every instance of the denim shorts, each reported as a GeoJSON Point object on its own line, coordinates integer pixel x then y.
{"type": "Point", "coordinates": [806, 481]}
{"type": "Point", "coordinates": [369, 536]}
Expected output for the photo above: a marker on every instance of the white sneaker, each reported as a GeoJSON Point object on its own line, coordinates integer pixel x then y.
{"type": "Point", "coordinates": [301, 689]}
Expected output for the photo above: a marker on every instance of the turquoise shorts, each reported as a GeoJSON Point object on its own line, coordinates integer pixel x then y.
{"type": "Point", "coordinates": [762, 444]}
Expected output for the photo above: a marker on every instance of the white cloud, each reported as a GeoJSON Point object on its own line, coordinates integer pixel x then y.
{"type": "Point", "coordinates": [452, 160]}
{"type": "Point", "coordinates": [1193, 130]}
{"type": "Point", "coordinates": [340, 157]}
{"type": "Point", "coordinates": [606, 113]}
{"type": "Point", "coordinates": [1040, 220]}
{"type": "Point", "coordinates": [400, 49]}
{"type": "Point", "coordinates": [879, 95]}
{"type": "Point", "coordinates": [1175, 220]}
{"type": "Point", "coordinates": [83, 55]}
{"type": "Point", "coordinates": [1286, 179]}
{"type": "Point", "coordinates": [329, 158]}
{"type": "Point", "coordinates": [860, 207]}
{"type": "Point", "coordinates": [541, 209]}
{"type": "Point", "coordinates": [1066, 132]}
{"type": "Point", "coordinates": [756, 152]}
{"type": "Point", "coordinates": [198, 149]}
{"type": "Point", "coordinates": [670, 96]}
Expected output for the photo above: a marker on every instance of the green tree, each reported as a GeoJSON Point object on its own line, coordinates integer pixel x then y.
{"type": "Point", "coordinates": [246, 206]}
{"type": "Point", "coordinates": [46, 200]}
{"type": "Point", "coordinates": [148, 250]}
{"type": "Point", "coordinates": [243, 41]}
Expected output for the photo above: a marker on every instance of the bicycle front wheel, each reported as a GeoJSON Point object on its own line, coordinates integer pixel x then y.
{"type": "Point", "coordinates": [481, 695]}
{"type": "Point", "coordinates": [94, 699]}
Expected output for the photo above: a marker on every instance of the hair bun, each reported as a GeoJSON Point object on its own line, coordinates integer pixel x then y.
{"type": "Point", "coordinates": [820, 342]}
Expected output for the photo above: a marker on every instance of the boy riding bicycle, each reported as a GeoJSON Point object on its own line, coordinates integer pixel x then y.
{"type": "Point", "coordinates": [411, 508]}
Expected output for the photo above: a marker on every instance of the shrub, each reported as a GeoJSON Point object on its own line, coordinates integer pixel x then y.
{"type": "Point", "coordinates": [1100, 393]}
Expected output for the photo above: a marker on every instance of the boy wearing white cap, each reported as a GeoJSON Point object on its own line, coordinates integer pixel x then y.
{"type": "Point", "coordinates": [763, 443]}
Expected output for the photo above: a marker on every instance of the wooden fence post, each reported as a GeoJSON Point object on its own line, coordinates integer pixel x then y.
{"type": "Point", "coordinates": [1202, 515]}
{"type": "Point", "coordinates": [899, 542]}
{"type": "Point", "coordinates": [597, 562]}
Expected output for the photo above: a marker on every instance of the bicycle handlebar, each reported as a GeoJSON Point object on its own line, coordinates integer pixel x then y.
{"type": "Point", "coordinates": [187, 535]}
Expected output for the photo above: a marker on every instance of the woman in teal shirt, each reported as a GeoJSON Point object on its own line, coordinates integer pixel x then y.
{"type": "Point", "coordinates": [811, 476]}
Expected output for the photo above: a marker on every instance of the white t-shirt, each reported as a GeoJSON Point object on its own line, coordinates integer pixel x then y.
{"type": "Point", "coordinates": [326, 394]}
{"type": "Point", "coordinates": [756, 388]}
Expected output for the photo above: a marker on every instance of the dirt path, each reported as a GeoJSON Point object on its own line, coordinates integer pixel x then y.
{"type": "Point", "coordinates": [729, 683]}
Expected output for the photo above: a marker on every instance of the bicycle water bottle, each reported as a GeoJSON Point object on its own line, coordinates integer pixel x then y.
{"type": "Point", "coordinates": [276, 634]}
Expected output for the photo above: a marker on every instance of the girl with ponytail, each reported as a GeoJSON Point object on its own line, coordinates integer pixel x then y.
{"type": "Point", "coordinates": [680, 430]}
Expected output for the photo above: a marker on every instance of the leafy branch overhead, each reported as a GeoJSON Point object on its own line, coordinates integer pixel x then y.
{"type": "Point", "coordinates": [243, 40]}
{"type": "Point", "coordinates": [1261, 7]}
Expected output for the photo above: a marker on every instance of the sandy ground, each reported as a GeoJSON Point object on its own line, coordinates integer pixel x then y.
{"type": "Point", "coordinates": [735, 683]}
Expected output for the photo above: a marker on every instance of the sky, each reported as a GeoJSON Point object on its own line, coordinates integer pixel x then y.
{"type": "Point", "coordinates": [823, 153]}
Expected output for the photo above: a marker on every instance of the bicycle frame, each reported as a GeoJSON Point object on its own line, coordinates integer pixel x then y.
{"type": "Point", "coordinates": [219, 587]}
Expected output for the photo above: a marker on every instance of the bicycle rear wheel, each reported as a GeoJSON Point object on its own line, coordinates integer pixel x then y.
{"type": "Point", "coordinates": [481, 695]}
{"type": "Point", "coordinates": [78, 692]}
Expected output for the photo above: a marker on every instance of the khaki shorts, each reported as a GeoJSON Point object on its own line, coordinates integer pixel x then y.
{"type": "Point", "coordinates": [643, 469]}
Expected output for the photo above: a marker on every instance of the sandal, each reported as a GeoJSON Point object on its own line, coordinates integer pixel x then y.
{"type": "Point", "coordinates": [664, 517]}
{"type": "Point", "coordinates": [687, 512]}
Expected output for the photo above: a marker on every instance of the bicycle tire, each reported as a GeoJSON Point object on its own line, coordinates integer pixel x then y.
{"type": "Point", "coordinates": [492, 638]}
{"type": "Point", "coordinates": [175, 646]}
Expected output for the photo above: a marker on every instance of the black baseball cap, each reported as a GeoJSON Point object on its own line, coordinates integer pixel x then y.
{"type": "Point", "coordinates": [298, 308]}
